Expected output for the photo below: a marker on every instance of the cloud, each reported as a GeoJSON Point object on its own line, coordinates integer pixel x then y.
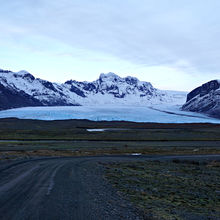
{"type": "Point", "coordinates": [182, 35]}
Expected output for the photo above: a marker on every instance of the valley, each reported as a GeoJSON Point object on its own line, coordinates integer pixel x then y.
{"type": "Point", "coordinates": [27, 138]}
{"type": "Point", "coordinates": [114, 148]}
{"type": "Point", "coordinates": [104, 169]}
{"type": "Point", "coordinates": [109, 110]}
{"type": "Point", "coordinates": [152, 114]}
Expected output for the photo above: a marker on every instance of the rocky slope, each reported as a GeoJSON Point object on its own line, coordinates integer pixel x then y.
{"type": "Point", "coordinates": [19, 89]}
{"type": "Point", "coordinates": [205, 99]}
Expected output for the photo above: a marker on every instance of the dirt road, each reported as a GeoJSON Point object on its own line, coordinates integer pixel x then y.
{"type": "Point", "coordinates": [63, 188]}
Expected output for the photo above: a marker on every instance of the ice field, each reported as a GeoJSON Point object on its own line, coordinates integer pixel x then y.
{"type": "Point", "coordinates": [165, 114]}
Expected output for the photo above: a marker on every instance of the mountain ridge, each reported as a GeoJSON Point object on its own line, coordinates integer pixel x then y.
{"type": "Point", "coordinates": [204, 99]}
{"type": "Point", "coordinates": [107, 89]}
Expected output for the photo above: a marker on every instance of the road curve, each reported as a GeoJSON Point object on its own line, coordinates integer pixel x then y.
{"type": "Point", "coordinates": [64, 188]}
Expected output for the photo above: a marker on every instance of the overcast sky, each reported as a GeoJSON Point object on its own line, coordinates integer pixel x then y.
{"type": "Point", "coordinates": [172, 44]}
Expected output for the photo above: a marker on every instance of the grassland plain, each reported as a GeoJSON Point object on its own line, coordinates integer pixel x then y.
{"type": "Point", "coordinates": [159, 189]}
{"type": "Point", "coordinates": [71, 137]}
{"type": "Point", "coordinates": [177, 189]}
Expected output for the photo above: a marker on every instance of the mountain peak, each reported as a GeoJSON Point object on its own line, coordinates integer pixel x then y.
{"type": "Point", "coordinates": [108, 75]}
{"type": "Point", "coordinates": [22, 72]}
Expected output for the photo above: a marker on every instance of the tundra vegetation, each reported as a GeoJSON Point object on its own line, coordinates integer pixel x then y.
{"type": "Point", "coordinates": [177, 189]}
{"type": "Point", "coordinates": [71, 137]}
{"type": "Point", "coordinates": [164, 189]}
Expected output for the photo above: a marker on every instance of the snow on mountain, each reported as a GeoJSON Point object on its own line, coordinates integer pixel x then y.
{"type": "Point", "coordinates": [111, 89]}
{"type": "Point", "coordinates": [107, 89]}
{"type": "Point", "coordinates": [43, 91]}
{"type": "Point", "coordinates": [205, 99]}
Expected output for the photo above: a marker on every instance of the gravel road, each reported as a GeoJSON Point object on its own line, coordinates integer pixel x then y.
{"type": "Point", "coordinates": [64, 188]}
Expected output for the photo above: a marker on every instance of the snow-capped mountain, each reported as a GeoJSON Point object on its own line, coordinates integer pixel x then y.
{"type": "Point", "coordinates": [205, 99]}
{"type": "Point", "coordinates": [111, 89]}
{"type": "Point", "coordinates": [19, 89]}
{"type": "Point", "coordinates": [23, 89]}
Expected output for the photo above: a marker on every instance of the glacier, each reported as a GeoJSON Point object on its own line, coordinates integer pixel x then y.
{"type": "Point", "coordinates": [109, 98]}
{"type": "Point", "coordinates": [155, 113]}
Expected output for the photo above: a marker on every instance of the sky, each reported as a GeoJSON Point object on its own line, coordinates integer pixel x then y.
{"type": "Point", "coordinates": [173, 44]}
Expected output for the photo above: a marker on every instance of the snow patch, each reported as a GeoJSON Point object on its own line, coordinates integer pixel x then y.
{"type": "Point", "coordinates": [95, 130]}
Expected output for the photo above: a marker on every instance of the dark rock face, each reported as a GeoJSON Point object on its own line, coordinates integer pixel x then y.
{"type": "Point", "coordinates": [5, 71]}
{"type": "Point", "coordinates": [204, 89]}
{"type": "Point", "coordinates": [48, 85]}
{"type": "Point", "coordinates": [77, 91]}
{"type": "Point", "coordinates": [14, 99]}
{"type": "Point", "coordinates": [89, 87]}
{"type": "Point", "coordinates": [27, 76]}
{"type": "Point", "coordinates": [205, 99]}
{"type": "Point", "coordinates": [131, 80]}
